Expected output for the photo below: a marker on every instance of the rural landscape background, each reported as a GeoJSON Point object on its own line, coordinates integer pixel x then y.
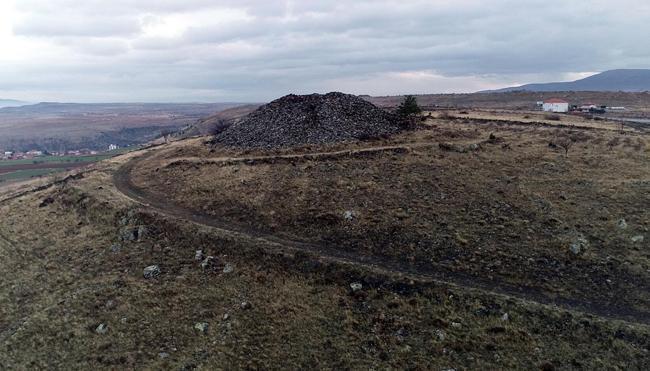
{"type": "Point", "coordinates": [421, 185]}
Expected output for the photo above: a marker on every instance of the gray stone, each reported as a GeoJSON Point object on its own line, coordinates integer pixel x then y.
{"type": "Point", "coordinates": [129, 234]}
{"type": "Point", "coordinates": [456, 325]}
{"type": "Point", "coordinates": [115, 248]}
{"type": "Point", "coordinates": [579, 245]}
{"type": "Point", "coordinates": [102, 328]}
{"type": "Point", "coordinates": [356, 286]}
{"type": "Point", "coordinates": [209, 263]}
{"type": "Point", "coordinates": [296, 120]}
{"type": "Point", "coordinates": [246, 305]}
{"type": "Point", "coordinates": [198, 256]}
{"type": "Point", "coordinates": [201, 327]}
{"type": "Point", "coordinates": [163, 355]}
{"type": "Point", "coordinates": [228, 268]}
{"type": "Point", "coordinates": [143, 232]}
{"type": "Point", "coordinates": [151, 271]}
{"type": "Point", "coordinates": [349, 215]}
{"type": "Point", "coordinates": [505, 317]}
{"type": "Point", "coordinates": [622, 224]}
{"type": "Point", "coordinates": [440, 335]}
{"type": "Point", "coordinates": [638, 238]}
{"type": "Point", "coordinates": [473, 147]}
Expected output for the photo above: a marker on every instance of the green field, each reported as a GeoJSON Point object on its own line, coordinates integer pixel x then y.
{"type": "Point", "coordinates": [64, 159]}
{"type": "Point", "coordinates": [26, 174]}
{"type": "Point", "coordinates": [33, 173]}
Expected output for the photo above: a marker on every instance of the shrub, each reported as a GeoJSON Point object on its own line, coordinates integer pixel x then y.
{"type": "Point", "coordinates": [409, 107]}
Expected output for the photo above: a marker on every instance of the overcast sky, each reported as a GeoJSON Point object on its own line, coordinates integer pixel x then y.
{"type": "Point", "coordinates": [257, 50]}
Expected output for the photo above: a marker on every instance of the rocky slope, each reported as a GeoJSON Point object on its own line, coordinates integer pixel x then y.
{"type": "Point", "coordinates": [296, 120]}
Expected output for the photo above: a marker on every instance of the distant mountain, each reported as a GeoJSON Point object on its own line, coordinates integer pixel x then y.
{"type": "Point", "coordinates": [614, 80]}
{"type": "Point", "coordinates": [11, 103]}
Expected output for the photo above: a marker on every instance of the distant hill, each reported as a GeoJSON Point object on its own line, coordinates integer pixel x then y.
{"type": "Point", "coordinates": [614, 80]}
{"type": "Point", "coordinates": [11, 103]}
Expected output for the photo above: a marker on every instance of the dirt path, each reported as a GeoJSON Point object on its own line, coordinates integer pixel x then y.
{"type": "Point", "coordinates": [420, 272]}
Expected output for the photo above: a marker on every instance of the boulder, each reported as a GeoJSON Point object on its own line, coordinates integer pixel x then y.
{"type": "Point", "coordinates": [151, 271]}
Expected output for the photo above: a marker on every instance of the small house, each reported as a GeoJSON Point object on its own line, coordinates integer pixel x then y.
{"type": "Point", "coordinates": [555, 105]}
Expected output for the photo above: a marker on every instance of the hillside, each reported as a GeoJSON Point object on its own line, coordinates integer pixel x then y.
{"type": "Point", "coordinates": [463, 244]}
{"type": "Point", "coordinates": [219, 121]}
{"type": "Point", "coordinates": [69, 126]}
{"type": "Point", "coordinates": [629, 80]}
{"type": "Point", "coordinates": [11, 103]}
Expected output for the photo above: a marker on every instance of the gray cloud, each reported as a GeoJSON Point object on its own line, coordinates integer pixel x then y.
{"type": "Point", "coordinates": [255, 50]}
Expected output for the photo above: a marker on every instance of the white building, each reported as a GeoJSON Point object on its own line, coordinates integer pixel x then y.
{"type": "Point", "coordinates": [555, 105]}
{"type": "Point", "coordinates": [112, 147]}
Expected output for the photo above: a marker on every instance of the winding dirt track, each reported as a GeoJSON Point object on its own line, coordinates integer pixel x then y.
{"type": "Point", "coordinates": [438, 274]}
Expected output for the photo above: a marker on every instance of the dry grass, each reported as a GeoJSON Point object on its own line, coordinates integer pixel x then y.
{"type": "Point", "coordinates": [61, 278]}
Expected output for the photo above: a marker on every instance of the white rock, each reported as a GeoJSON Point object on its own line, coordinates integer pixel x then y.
{"type": "Point", "coordinates": [638, 238]}
{"type": "Point", "coordinates": [356, 286]}
{"type": "Point", "coordinates": [622, 223]}
{"type": "Point", "coordinates": [348, 215]}
{"type": "Point", "coordinates": [228, 268]}
{"type": "Point", "coordinates": [198, 256]}
{"type": "Point", "coordinates": [151, 271]}
{"type": "Point", "coordinates": [102, 328]}
{"type": "Point", "coordinates": [505, 317]}
{"type": "Point", "coordinates": [201, 327]}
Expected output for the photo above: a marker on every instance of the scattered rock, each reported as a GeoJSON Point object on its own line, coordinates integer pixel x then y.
{"type": "Point", "coordinates": [638, 238]}
{"type": "Point", "coordinates": [348, 215]}
{"type": "Point", "coordinates": [356, 286]}
{"type": "Point", "coordinates": [198, 256]}
{"type": "Point", "coordinates": [163, 355]}
{"type": "Point", "coordinates": [143, 232]}
{"type": "Point", "coordinates": [622, 224]}
{"type": "Point", "coordinates": [228, 268]}
{"type": "Point", "coordinates": [129, 234]}
{"type": "Point", "coordinates": [296, 120]}
{"type": "Point", "coordinates": [474, 147]}
{"type": "Point", "coordinates": [201, 327]}
{"type": "Point", "coordinates": [47, 201]}
{"type": "Point", "coordinates": [151, 271]}
{"type": "Point", "coordinates": [456, 325]}
{"type": "Point", "coordinates": [102, 328]}
{"type": "Point", "coordinates": [246, 305]}
{"type": "Point", "coordinates": [115, 248]}
{"type": "Point", "coordinates": [579, 245]}
{"type": "Point", "coordinates": [209, 263]}
{"type": "Point", "coordinates": [440, 335]}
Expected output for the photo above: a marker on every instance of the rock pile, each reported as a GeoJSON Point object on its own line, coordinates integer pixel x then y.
{"type": "Point", "coordinates": [296, 120]}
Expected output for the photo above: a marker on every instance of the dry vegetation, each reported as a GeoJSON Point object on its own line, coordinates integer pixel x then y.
{"type": "Point", "coordinates": [495, 206]}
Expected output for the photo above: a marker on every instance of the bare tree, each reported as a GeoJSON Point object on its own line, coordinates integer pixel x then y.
{"type": "Point", "coordinates": [565, 143]}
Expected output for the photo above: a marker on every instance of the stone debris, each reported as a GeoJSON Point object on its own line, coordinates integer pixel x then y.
{"type": "Point", "coordinates": [356, 286]}
{"type": "Point", "coordinates": [201, 327]}
{"type": "Point", "coordinates": [228, 268]}
{"type": "Point", "coordinates": [209, 263]}
{"type": "Point", "coordinates": [579, 245]}
{"type": "Point", "coordinates": [638, 238]}
{"type": "Point", "coordinates": [198, 256]}
{"type": "Point", "coordinates": [348, 215]}
{"type": "Point", "coordinates": [622, 224]}
{"type": "Point", "coordinates": [246, 305]}
{"type": "Point", "coordinates": [102, 328]}
{"type": "Point", "coordinates": [151, 271]}
{"type": "Point", "coordinates": [296, 120]}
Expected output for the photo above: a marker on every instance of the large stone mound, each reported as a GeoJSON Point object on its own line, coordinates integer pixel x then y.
{"type": "Point", "coordinates": [296, 120]}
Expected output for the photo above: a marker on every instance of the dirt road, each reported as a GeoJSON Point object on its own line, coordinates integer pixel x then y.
{"type": "Point", "coordinates": [420, 272]}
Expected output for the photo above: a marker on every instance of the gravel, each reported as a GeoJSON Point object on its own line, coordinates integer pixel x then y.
{"type": "Point", "coordinates": [296, 120]}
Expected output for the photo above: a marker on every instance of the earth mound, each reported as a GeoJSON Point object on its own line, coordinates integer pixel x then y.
{"type": "Point", "coordinates": [295, 120]}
